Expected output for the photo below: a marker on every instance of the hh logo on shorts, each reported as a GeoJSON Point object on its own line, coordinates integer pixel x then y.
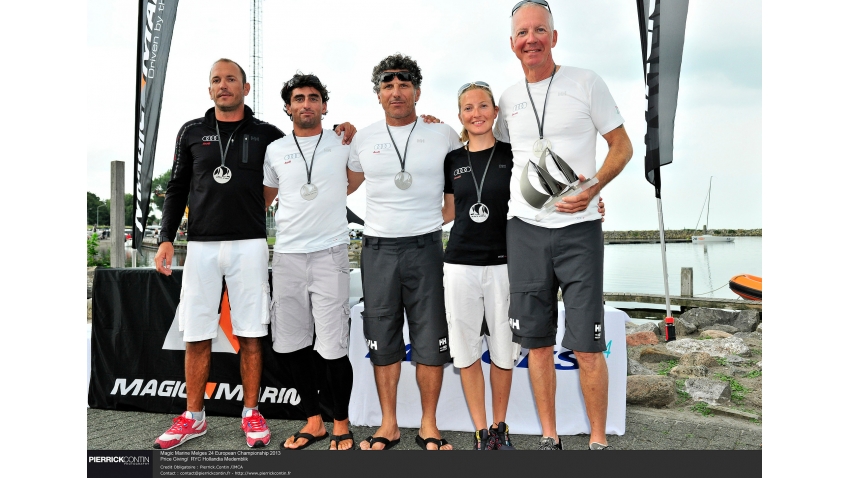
{"type": "Point", "coordinates": [372, 344]}
{"type": "Point", "coordinates": [514, 323]}
{"type": "Point", "coordinates": [597, 331]}
{"type": "Point", "coordinates": [443, 344]}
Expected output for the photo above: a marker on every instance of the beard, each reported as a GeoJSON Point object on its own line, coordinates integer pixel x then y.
{"type": "Point", "coordinates": [307, 123]}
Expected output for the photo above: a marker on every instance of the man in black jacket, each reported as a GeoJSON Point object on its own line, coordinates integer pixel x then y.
{"type": "Point", "coordinates": [219, 160]}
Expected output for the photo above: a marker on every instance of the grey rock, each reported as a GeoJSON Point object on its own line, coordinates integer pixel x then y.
{"type": "Point", "coordinates": [658, 353]}
{"type": "Point", "coordinates": [698, 358]}
{"type": "Point", "coordinates": [723, 328]}
{"type": "Point", "coordinates": [650, 390]}
{"type": "Point", "coordinates": [88, 301]}
{"type": "Point", "coordinates": [702, 317]}
{"type": "Point", "coordinates": [713, 392]}
{"type": "Point", "coordinates": [630, 326]}
{"type": "Point", "coordinates": [637, 368]}
{"type": "Point", "coordinates": [737, 371]}
{"type": "Point", "coordinates": [749, 335]}
{"type": "Point", "coordinates": [758, 365]}
{"type": "Point", "coordinates": [646, 327]}
{"type": "Point", "coordinates": [688, 371]}
{"type": "Point", "coordinates": [683, 327]}
{"type": "Point", "coordinates": [758, 329]}
{"type": "Point", "coordinates": [747, 320]}
{"type": "Point", "coordinates": [713, 347]}
{"type": "Point", "coordinates": [734, 359]}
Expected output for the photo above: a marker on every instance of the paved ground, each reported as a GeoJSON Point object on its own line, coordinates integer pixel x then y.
{"type": "Point", "coordinates": [646, 429]}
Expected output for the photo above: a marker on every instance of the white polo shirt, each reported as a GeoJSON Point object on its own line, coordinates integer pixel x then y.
{"type": "Point", "coordinates": [578, 108]}
{"type": "Point", "coordinates": [302, 225]}
{"type": "Point", "coordinates": [390, 211]}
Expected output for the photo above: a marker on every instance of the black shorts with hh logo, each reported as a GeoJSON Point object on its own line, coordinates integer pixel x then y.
{"type": "Point", "coordinates": [404, 274]}
{"type": "Point", "coordinates": [542, 260]}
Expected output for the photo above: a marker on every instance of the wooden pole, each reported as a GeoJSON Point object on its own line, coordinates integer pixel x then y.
{"type": "Point", "coordinates": [116, 214]}
{"type": "Point", "coordinates": [687, 282]}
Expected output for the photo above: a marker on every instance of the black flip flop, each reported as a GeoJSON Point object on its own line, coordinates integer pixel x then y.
{"type": "Point", "coordinates": [423, 442]}
{"type": "Point", "coordinates": [310, 440]}
{"type": "Point", "coordinates": [387, 443]}
{"type": "Point", "coordinates": [343, 437]}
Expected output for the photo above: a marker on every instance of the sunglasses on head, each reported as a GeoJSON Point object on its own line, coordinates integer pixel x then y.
{"type": "Point", "coordinates": [469, 85]}
{"type": "Point", "coordinates": [539, 2]}
{"type": "Point", "coordinates": [388, 76]}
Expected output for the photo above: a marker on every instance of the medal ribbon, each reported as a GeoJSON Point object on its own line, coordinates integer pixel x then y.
{"type": "Point", "coordinates": [537, 118]}
{"type": "Point", "coordinates": [310, 169]}
{"type": "Point", "coordinates": [404, 158]}
{"type": "Point", "coordinates": [469, 158]}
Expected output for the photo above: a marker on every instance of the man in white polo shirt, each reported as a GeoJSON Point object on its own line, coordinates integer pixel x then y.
{"type": "Point", "coordinates": [401, 161]}
{"type": "Point", "coordinates": [306, 172]}
{"type": "Point", "coordinates": [563, 109]}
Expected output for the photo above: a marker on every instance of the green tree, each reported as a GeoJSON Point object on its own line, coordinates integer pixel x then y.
{"type": "Point", "coordinates": [158, 188]}
{"type": "Point", "coordinates": [128, 211]}
{"type": "Point", "coordinates": [92, 202]}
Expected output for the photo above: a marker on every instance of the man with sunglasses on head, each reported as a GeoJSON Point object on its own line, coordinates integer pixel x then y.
{"type": "Point", "coordinates": [306, 172]}
{"type": "Point", "coordinates": [400, 159]}
{"type": "Point", "coordinates": [557, 111]}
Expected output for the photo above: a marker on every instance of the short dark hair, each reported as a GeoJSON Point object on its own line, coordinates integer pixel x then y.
{"type": "Point", "coordinates": [228, 60]}
{"type": "Point", "coordinates": [396, 62]}
{"type": "Point", "coordinates": [300, 80]}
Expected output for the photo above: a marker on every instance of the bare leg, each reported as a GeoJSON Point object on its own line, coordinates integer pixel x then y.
{"type": "Point", "coordinates": [541, 369]}
{"type": "Point", "coordinates": [386, 380]}
{"type": "Point", "coordinates": [593, 375]}
{"type": "Point", "coordinates": [197, 366]}
{"type": "Point", "coordinates": [500, 385]}
{"type": "Point", "coordinates": [430, 380]}
{"type": "Point", "coordinates": [472, 379]}
{"type": "Point", "coordinates": [251, 368]}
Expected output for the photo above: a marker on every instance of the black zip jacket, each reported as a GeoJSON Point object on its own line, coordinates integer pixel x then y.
{"type": "Point", "coordinates": [218, 212]}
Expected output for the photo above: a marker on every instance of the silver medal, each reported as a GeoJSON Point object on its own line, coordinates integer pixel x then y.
{"type": "Point", "coordinates": [479, 212]}
{"type": "Point", "coordinates": [540, 145]}
{"type": "Point", "coordinates": [221, 174]}
{"type": "Point", "coordinates": [403, 180]}
{"type": "Point", "coordinates": [309, 191]}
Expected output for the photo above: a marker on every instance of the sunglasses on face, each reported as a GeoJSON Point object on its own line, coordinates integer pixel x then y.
{"type": "Point", "coordinates": [388, 76]}
{"type": "Point", "coordinates": [539, 2]}
{"type": "Point", "coordinates": [469, 85]}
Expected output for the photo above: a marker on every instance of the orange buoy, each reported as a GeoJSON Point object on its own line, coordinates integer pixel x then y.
{"type": "Point", "coordinates": [747, 286]}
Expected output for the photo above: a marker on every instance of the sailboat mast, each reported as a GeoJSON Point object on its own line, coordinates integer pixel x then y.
{"type": "Point", "coordinates": [709, 202]}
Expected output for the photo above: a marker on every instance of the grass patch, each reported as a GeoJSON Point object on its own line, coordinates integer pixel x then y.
{"type": "Point", "coordinates": [738, 390]}
{"type": "Point", "coordinates": [702, 409]}
{"type": "Point", "coordinates": [755, 350]}
{"type": "Point", "coordinates": [721, 361]}
{"type": "Point", "coordinates": [681, 395]}
{"type": "Point", "coordinates": [753, 374]}
{"type": "Point", "coordinates": [666, 366]}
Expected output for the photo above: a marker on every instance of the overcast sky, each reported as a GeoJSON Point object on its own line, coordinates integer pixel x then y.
{"type": "Point", "coordinates": [718, 122]}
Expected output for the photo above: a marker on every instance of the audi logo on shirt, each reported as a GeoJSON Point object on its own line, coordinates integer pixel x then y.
{"type": "Point", "coordinates": [521, 106]}
{"type": "Point", "coordinates": [465, 169]}
{"type": "Point", "coordinates": [292, 156]}
{"type": "Point", "coordinates": [210, 138]}
{"type": "Point", "coordinates": [382, 146]}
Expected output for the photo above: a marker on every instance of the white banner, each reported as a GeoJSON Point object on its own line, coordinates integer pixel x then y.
{"type": "Point", "coordinates": [452, 412]}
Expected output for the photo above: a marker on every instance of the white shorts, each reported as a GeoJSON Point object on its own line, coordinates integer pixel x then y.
{"type": "Point", "coordinates": [310, 293]}
{"type": "Point", "coordinates": [244, 265]}
{"type": "Point", "coordinates": [473, 293]}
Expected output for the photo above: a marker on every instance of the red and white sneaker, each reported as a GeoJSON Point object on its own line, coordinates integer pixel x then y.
{"type": "Point", "coordinates": [183, 428]}
{"type": "Point", "coordinates": [257, 433]}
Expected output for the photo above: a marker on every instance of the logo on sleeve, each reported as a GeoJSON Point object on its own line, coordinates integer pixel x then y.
{"type": "Point", "coordinates": [597, 331]}
{"type": "Point", "coordinates": [443, 344]}
{"type": "Point", "coordinates": [514, 323]}
{"type": "Point", "coordinates": [372, 344]}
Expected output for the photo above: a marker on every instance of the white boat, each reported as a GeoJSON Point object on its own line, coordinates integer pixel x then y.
{"type": "Point", "coordinates": [705, 237]}
{"type": "Point", "coordinates": [711, 238]}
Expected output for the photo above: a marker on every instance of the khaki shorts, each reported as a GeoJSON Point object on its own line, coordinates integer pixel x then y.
{"type": "Point", "coordinates": [310, 295]}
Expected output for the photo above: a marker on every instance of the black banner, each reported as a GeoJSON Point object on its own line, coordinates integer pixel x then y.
{"type": "Point", "coordinates": [156, 24]}
{"type": "Point", "coordinates": [662, 37]}
{"type": "Point", "coordinates": [137, 360]}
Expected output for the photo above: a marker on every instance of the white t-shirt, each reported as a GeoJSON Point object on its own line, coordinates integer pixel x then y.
{"type": "Point", "coordinates": [302, 225]}
{"type": "Point", "coordinates": [390, 211]}
{"type": "Point", "coordinates": [579, 106]}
